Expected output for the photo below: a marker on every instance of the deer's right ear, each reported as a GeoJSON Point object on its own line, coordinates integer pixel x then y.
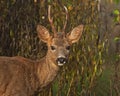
{"type": "Point", "coordinates": [43, 33]}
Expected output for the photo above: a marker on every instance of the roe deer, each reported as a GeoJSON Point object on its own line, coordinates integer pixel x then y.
{"type": "Point", "coordinates": [20, 76]}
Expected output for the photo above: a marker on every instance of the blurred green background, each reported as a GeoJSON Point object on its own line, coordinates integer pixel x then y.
{"type": "Point", "coordinates": [93, 67]}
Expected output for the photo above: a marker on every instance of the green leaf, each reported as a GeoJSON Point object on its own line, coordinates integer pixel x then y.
{"type": "Point", "coordinates": [116, 12]}
{"type": "Point", "coordinates": [117, 18]}
{"type": "Point", "coordinates": [11, 33]}
{"type": "Point", "coordinates": [55, 88]}
{"type": "Point", "coordinates": [116, 38]}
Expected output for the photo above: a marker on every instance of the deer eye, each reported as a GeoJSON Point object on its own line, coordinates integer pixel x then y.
{"type": "Point", "coordinates": [53, 48]}
{"type": "Point", "coordinates": [68, 47]}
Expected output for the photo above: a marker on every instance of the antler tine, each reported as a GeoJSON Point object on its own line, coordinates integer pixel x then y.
{"type": "Point", "coordinates": [66, 13]}
{"type": "Point", "coordinates": [51, 20]}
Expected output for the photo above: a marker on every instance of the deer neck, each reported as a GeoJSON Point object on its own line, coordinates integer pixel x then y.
{"type": "Point", "coordinates": [47, 70]}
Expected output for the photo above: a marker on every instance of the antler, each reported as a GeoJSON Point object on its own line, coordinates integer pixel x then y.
{"type": "Point", "coordinates": [51, 20]}
{"type": "Point", "coordinates": [66, 13]}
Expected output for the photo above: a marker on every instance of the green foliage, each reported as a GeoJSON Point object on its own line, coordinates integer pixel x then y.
{"type": "Point", "coordinates": [117, 1]}
{"type": "Point", "coordinates": [117, 15]}
{"type": "Point", "coordinates": [116, 12]}
{"type": "Point", "coordinates": [116, 39]}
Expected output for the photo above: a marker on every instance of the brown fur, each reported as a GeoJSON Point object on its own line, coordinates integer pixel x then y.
{"type": "Point", "coordinates": [22, 77]}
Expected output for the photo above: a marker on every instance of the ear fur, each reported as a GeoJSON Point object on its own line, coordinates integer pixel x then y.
{"type": "Point", "coordinates": [75, 34]}
{"type": "Point", "coordinates": [43, 33]}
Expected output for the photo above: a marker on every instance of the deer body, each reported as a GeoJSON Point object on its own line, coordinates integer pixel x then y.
{"type": "Point", "coordinates": [23, 77]}
{"type": "Point", "coordinates": [20, 76]}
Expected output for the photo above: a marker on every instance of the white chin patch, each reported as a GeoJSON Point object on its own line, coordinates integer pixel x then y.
{"type": "Point", "coordinates": [61, 64]}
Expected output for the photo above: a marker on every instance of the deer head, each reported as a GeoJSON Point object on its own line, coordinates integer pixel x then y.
{"type": "Point", "coordinates": [59, 43]}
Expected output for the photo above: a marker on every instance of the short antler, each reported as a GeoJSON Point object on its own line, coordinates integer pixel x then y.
{"type": "Point", "coordinates": [66, 13]}
{"type": "Point", "coordinates": [51, 20]}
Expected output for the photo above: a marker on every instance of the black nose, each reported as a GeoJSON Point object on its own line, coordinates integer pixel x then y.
{"type": "Point", "coordinates": [62, 60]}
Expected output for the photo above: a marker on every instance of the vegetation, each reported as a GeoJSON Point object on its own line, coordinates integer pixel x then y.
{"type": "Point", "coordinates": [18, 36]}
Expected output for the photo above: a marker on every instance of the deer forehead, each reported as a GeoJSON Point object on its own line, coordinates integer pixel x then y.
{"type": "Point", "coordinates": [59, 40]}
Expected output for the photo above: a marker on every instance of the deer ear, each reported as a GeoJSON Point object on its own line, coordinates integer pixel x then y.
{"type": "Point", "coordinates": [43, 33]}
{"type": "Point", "coordinates": [75, 34]}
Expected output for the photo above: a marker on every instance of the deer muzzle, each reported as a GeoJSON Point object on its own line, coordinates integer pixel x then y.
{"type": "Point", "coordinates": [61, 61]}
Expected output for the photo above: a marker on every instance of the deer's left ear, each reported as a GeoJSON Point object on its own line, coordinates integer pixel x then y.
{"type": "Point", "coordinates": [75, 34]}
